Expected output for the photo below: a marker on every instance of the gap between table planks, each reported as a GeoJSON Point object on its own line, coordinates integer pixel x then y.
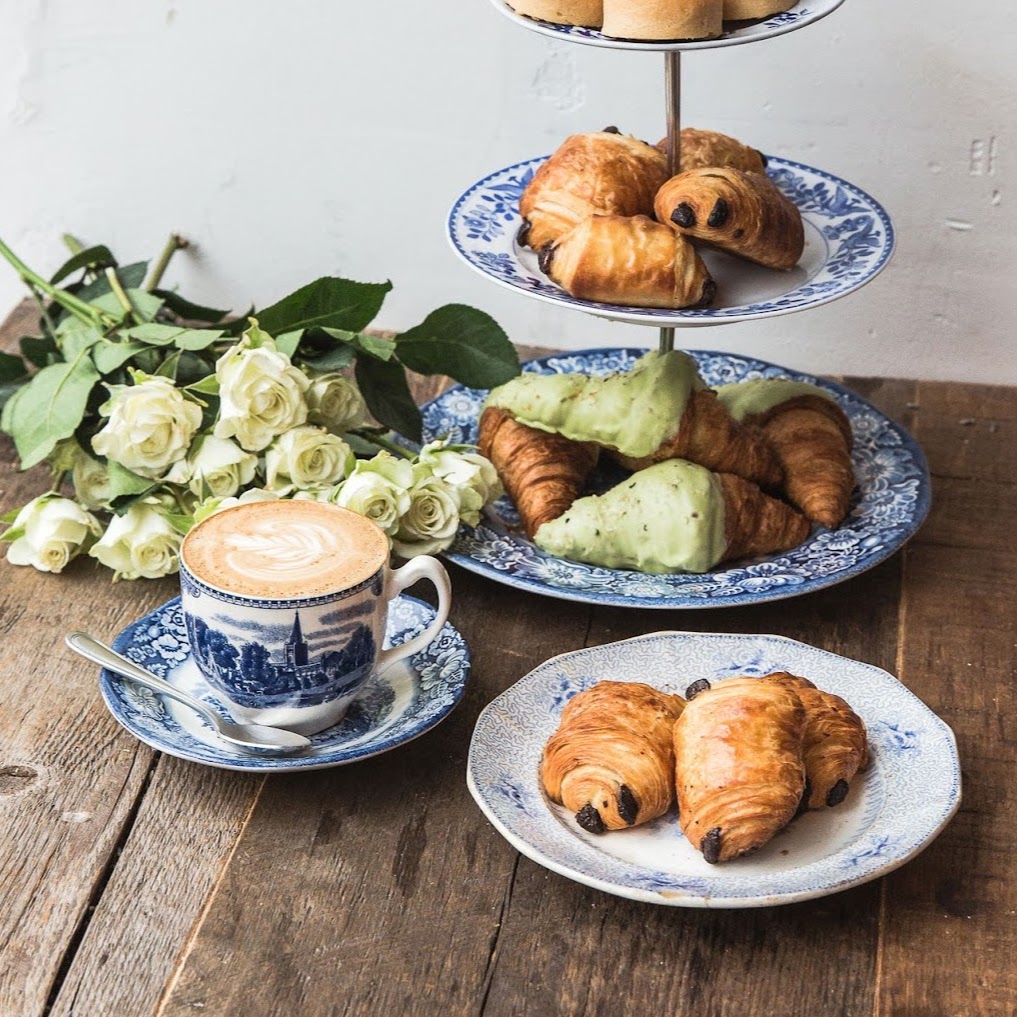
{"type": "Point", "coordinates": [137, 884]}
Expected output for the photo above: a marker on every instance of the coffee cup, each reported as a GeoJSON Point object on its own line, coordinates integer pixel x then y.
{"type": "Point", "coordinates": [286, 603]}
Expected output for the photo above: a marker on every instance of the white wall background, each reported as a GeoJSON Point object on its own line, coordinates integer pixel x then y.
{"type": "Point", "coordinates": [292, 140]}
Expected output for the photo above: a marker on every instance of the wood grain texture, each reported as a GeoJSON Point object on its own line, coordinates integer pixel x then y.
{"type": "Point", "coordinates": [950, 925]}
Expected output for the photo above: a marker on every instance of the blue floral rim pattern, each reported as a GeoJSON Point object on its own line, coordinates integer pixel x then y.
{"type": "Point", "coordinates": [906, 796]}
{"type": "Point", "coordinates": [854, 229]}
{"type": "Point", "coordinates": [736, 32]}
{"type": "Point", "coordinates": [401, 703]}
{"type": "Point", "coordinates": [891, 500]}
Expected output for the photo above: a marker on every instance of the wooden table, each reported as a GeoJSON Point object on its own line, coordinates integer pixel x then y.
{"type": "Point", "coordinates": [135, 883]}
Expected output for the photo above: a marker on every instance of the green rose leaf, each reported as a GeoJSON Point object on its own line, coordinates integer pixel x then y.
{"type": "Point", "coordinates": [130, 276]}
{"type": "Point", "coordinates": [49, 408]}
{"type": "Point", "coordinates": [97, 257]}
{"type": "Point", "coordinates": [289, 341]}
{"type": "Point", "coordinates": [39, 351]}
{"type": "Point", "coordinates": [156, 334]}
{"type": "Point", "coordinates": [207, 386]}
{"type": "Point", "coordinates": [326, 303]}
{"type": "Point", "coordinates": [145, 305]}
{"type": "Point", "coordinates": [462, 342]}
{"type": "Point", "coordinates": [189, 311]}
{"type": "Point", "coordinates": [123, 482]}
{"type": "Point", "coordinates": [12, 368]}
{"type": "Point", "coordinates": [383, 386]}
{"type": "Point", "coordinates": [108, 356]}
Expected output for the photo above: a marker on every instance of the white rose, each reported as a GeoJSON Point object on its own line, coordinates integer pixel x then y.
{"type": "Point", "coordinates": [378, 488]}
{"type": "Point", "coordinates": [429, 525]}
{"type": "Point", "coordinates": [335, 403]}
{"type": "Point", "coordinates": [307, 457]}
{"type": "Point", "coordinates": [91, 481]}
{"type": "Point", "coordinates": [150, 426]}
{"type": "Point", "coordinates": [215, 466]}
{"type": "Point", "coordinates": [212, 505]}
{"type": "Point", "coordinates": [261, 394]}
{"type": "Point", "coordinates": [142, 543]}
{"type": "Point", "coordinates": [323, 494]}
{"type": "Point", "coordinates": [473, 477]}
{"type": "Point", "coordinates": [49, 531]}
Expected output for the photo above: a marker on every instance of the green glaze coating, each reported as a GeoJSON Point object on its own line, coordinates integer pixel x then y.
{"type": "Point", "coordinates": [635, 411]}
{"type": "Point", "coordinates": [666, 518]}
{"type": "Point", "coordinates": [744, 399]}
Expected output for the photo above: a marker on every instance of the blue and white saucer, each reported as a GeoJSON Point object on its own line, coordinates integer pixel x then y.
{"type": "Point", "coordinates": [407, 699]}
{"type": "Point", "coordinates": [848, 241]}
{"type": "Point", "coordinates": [891, 500]}
{"type": "Point", "coordinates": [735, 32]}
{"type": "Point", "coordinates": [909, 792]}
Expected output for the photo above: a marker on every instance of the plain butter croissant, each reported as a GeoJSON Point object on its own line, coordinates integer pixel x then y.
{"type": "Point", "coordinates": [629, 260]}
{"type": "Point", "coordinates": [611, 761]}
{"type": "Point", "coordinates": [745, 214]}
{"type": "Point", "coordinates": [600, 173]}
{"type": "Point", "coordinates": [835, 747]}
{"type": "Point", "coordinates": [738, 765]}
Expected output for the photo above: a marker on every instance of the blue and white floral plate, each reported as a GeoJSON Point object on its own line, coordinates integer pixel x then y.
{"type": "Point", "coordinates": [848, 241]}
{"type": "Point", "coordinates": [396, 706]}
{"type": "Point", "coordinates": [893, 810]}
{"type": "Point", "coordinates": [890, 502]}
{"type": "Point", "coordinates": [735, 32]}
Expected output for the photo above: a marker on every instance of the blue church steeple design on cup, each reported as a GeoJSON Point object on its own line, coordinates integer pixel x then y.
{"type": "Point", "coordinates": [295, 652]}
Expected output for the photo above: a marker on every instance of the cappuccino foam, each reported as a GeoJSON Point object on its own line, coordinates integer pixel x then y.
{"type": "Point", "coordinates": [281, 549]}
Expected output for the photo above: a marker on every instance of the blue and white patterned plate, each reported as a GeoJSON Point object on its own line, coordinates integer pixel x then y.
{"type": "Point", "coordinates": [902, 801]}
{"type": "Point", "coordinates": [396, 706]}
{"type": "Point", "coordinates": [890, 502]}
{"type": "Point", "coordinates": [848, 241]}
{"type": "Point", "coordinates": [735, 32]}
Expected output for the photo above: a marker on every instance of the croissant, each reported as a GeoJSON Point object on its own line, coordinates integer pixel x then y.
{"type": "Point", "coordinates": [811, 437]}
{"type": "Point", "coordinates": [743, 10]}
{"type": "Point", "coordinates": [601, 173]}
{"type": "Point", "coordinates": [611, 761]}
{"type": "Point", "coordinates": [629, 260]}
{"type": "Point", "coordinates": [673, 517]}
{"type": "Point", "coordinates": [738, 765]}
{"type": "Point", "coordinates": [542, 472]}
{"type": "Point", "coordinates": [742, 213]}
{"type": "Point", "coordinates": [660, 409]}
{"type": "Point", "coordinates": [709, 148]}
{"type": "Point", "coordinates": [834, 748]}
{"type": "Point", "coordinates": [588, 13]}
{"type": "Point", "coordinates": [663, 19]}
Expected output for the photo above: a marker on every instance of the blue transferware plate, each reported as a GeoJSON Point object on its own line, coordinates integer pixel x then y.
{"type": "Point", "coordinates": [893, 810]}
{"type": "Point", "coordinates": [735, 32]}
{"type": "Point", "coordinates": [848, 241]}
{"type": "Point", "coordinates": [407, 699]}
{"type": "Point", "coordinates": [891, 500]}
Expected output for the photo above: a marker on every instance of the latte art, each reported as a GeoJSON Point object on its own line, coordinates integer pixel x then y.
{"type": "Point", "coordinates": [285, 549]}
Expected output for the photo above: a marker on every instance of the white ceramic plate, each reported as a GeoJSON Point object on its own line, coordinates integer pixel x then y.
{"type": "Point", "coordinates": [735, 32]}
{"type": "Point", "coordinates": [848, 241]}
{"type": "Point", "coordinates": [905, 798]}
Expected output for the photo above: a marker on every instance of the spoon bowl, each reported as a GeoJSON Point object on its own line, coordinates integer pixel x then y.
{"type": "Point", "coordinates": [255, 738]}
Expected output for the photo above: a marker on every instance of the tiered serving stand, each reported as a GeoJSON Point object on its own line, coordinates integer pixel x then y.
{"type": "Point", "coordinates": [848, 240]}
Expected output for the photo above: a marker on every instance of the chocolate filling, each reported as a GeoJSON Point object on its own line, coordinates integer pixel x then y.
{"type": "Point", "coordinates": [695, 688]}
{"type": "Point", "coordinates": [684, 215]}
{"type": "Point", "coordinates": [589, 819]}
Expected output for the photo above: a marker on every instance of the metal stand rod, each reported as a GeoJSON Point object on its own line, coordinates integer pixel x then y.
{"type": "Point", "coordinates": [673, 100]}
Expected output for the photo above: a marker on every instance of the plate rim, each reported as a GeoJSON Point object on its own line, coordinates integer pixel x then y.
{"type": "Point", "coordinates": [265, 763]}
{"type": "Point", "coordinates": [687, 317]}
{"type": "Point", "coordinates": [709, 901]}
{"type": "Point", "coordinates": [922, 508]}
{"type": "Point", "coordinates": [602, 41]}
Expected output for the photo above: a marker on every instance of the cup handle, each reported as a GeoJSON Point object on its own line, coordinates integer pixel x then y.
{"type": "Point", "coordinates": [421, 567]}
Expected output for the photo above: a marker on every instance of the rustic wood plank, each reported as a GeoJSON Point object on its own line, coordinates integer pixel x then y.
{"type": "Point", "coordinates": [376, 888]}
{"type": "Point", "coordinates": [950, 947]}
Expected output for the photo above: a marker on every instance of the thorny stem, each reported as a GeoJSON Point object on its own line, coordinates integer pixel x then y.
{"type": "Point", "coordinates": [174, 244]}
{"type": "Point", "coordinates": [79, 308]}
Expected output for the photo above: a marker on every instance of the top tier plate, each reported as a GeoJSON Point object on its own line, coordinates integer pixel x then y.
{"type": "Point", "coordinates": [735, 32]}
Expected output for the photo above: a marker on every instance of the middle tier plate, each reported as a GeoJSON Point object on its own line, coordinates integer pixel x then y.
{"type": "Point", "coordinates": [848, 241]}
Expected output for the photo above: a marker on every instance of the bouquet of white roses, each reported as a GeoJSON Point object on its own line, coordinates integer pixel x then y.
{"type": "Point", "coordinates": [151, 418]}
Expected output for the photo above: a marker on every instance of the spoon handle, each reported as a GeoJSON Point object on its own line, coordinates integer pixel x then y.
{"type": "Point", "coordinates": [104, 656]}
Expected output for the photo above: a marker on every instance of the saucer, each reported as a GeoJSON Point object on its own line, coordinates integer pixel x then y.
{"type": "Point", "coordinates": [401, 703]}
